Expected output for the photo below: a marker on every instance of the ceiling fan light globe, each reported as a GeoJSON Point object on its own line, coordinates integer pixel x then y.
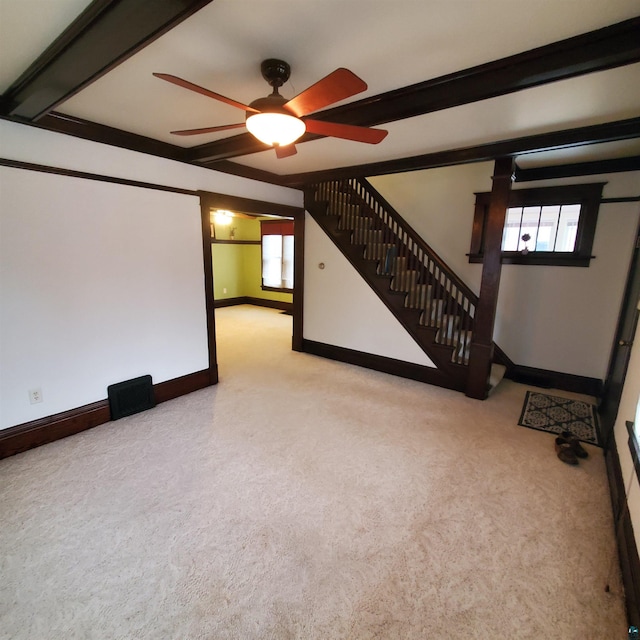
{"type": "Point", "coordinates": [274, 129]}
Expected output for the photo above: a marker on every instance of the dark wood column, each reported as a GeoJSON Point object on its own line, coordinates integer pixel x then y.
{"type": "Point", "coordinates": [481, 352]}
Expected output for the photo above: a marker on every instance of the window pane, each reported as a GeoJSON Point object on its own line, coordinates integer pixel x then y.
{"type": "Point", "coordinates": [529, 226]}
{"type": "Point", "coordinates": [548, 228]}
{"type": "Point", "coordinates": [272, 261]}
{"type": "Point", "coordinates": [568, 227]}
{"type": "Point", "coordinates": [287, 262]}
{"type": "Point", "coordinates": [511, 233]}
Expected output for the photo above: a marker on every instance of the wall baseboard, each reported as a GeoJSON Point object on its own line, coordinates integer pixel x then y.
{"type": "Point", "coordinates": [258, 302]}
{"type": "Point", "coordinates": [555, 380]}
{"type": "Point", "coordinates": [400, 368]}
{"type": "Point", "coordinates": [33, 434]}
{"type": "Point", "coordinates": [625, 538]}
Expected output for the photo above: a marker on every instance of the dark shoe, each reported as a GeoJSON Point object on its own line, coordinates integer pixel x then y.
{"type": "Point", "coordinates": [565, 451]}
{"type": "Point", "coordinates": [578, 449]}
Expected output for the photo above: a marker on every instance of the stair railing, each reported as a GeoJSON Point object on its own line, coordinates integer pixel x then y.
{"type": "Point", "coordinates": [450, 297]}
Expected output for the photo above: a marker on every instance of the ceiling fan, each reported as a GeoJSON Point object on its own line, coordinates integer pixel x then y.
{"type": "Point", "coordinates": [279, 122]}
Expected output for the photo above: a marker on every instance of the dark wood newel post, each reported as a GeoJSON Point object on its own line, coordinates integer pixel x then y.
{"type": "Point", "coordinates": [481, 351]}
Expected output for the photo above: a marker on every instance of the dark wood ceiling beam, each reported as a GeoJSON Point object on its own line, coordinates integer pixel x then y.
{"type": "Point", "coordinates": [242, 171]}
{"type": "Point", "coordinates": [612, 165]}
{"type": "Point", "coordinates": [612, 46]}
{"type": "Point", "coordinates": [232, 147]}
{"type": "Point", "coordinates": [105, 34]}
{"type": "Point", "coordinates": [594, 134]}
{"type": "Point", "coordinates": [88, 130]}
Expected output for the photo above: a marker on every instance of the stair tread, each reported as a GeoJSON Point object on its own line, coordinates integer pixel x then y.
{"type": "Point", "coordinates": [496, 375]}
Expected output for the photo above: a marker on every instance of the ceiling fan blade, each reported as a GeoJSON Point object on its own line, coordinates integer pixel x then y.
{"type": "Point", "coordinates": [338, 85]}
{"type": "Point", "coordinates": [346, 131]}
{"type": "Point", "coordinates": [286, 151]}
{"type": "Point", "coordinates": [195, 132]}
{"type": "Point", "coordinates": [201, 90]}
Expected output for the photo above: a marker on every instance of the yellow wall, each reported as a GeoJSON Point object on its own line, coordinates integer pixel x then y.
{"type": "Point", "coordinates": [238, 267]}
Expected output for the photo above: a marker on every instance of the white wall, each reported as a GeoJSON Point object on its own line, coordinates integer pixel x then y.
{"type": "Point", "coordinates": [30, 144]}
{"type": "Point", "coordinates": [341, 309]}
{"type": "Point", "coordinates": [556, 318]}
{"type": "Point", "coordinates": [99, 282]}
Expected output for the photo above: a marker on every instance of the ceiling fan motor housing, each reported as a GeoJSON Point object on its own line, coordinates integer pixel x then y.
{"type": "Point", "coordinates": [275, 124]}
{"type": "Point", "coordinates": [275, 72]}
{"type": "Point", "coordinates": [271, 104]}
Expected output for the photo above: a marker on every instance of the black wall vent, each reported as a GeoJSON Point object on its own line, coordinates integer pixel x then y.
{"type": "Point", "coordinates": [131, 396]}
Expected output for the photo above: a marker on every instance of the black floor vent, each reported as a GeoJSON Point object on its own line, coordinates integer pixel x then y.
{"type": "Point", "coordinates": [131, 396]}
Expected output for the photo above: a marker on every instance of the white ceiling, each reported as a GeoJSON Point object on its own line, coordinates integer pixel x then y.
{"type": "Point", "coordinates": [390, 44]}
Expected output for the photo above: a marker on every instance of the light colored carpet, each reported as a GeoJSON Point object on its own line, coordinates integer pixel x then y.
{"type": "Point", "coordinates": [307, 499]}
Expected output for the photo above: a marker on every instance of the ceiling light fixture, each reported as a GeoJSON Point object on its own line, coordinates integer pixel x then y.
{"type": "Point", "coordinates": [273, 123]}
{"type": "Point", "coordinates": [223, 217]}
{"type": "Point", "coordinates": [274, 128]}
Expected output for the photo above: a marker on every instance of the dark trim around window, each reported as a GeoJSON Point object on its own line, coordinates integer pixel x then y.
{"type": "Point", "coordinates": [279, 289]}
{"type": "Point", "coordinates": [284, 227]}
{"type": "Point", "coordinates": [587, 195]}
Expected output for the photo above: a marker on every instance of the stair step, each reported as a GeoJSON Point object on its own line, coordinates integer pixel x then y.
{"type": "Point", "coordinates": [448, 331]}
{"type": "Point", "coordinates": [353, 222]}
{"type": "Point", "coordinates": [419, 296]}
{"type": "Point", "coordinates": [496, 375]}
{"type": "Point", "coordinates": [376, 250]}
{"type": "Point", "coordinates": [392, 264]}
{"type": "Point", "coordinates": [398, 264]}
{"type": "Point", "coordinates": [343, 208]}
{"type": "Point", "coordinates": [433, 312]}
{"type": "Point", "coordinates": [404, 280]}
{"type": "Point", "coordinates": [360, 226]}
{"type": "Point", "coordinates": [332, 195]}
{"type": "Point", "coordinates": [460, 340]}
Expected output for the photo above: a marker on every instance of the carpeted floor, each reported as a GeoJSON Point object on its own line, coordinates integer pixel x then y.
{"type": "Point", "coordinates": [302, 498]}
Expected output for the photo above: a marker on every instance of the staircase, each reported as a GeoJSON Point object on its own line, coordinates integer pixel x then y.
{"type": "Point", "coordinates": [436, 308]}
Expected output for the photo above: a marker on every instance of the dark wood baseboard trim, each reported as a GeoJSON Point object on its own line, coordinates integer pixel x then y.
{"type": "Point", "coordinates": [271, 304]}
{"type": "Point", "coordinates": [418, 372]}
{"type": "Point", "coordinates": [183, 385]}
{"type": "Point", "coordinates": [555, 380]}
{"type": "Point", "coordinates": [258, 302]}
{"type": "Point", "coordinates": [33, 434]}
{"type": "Point", "coordinates": [230, 302]}
{"type": "Point", "coordinates": [625, 539]}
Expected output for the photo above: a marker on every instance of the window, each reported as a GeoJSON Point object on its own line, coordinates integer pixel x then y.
{"type": "Point", "coordinates": [548, 225]}
{"type": "Point", "coordinates": [277, 254]}
{"type": "Point", "coordinates": [634, 440]}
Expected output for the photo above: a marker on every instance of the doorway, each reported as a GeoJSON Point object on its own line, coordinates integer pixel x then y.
{"type": "Point", "coordinates": [251, 209]}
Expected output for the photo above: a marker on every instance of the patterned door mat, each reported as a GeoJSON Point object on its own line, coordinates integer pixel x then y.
{"type": "Point", "coordinates": [555, 414]}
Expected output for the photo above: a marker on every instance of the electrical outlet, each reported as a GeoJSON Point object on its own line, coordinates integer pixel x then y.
{"type": "Point", "coordinates": [224, 290]}
{"type": "Point", "coordinates": [35, 395]}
